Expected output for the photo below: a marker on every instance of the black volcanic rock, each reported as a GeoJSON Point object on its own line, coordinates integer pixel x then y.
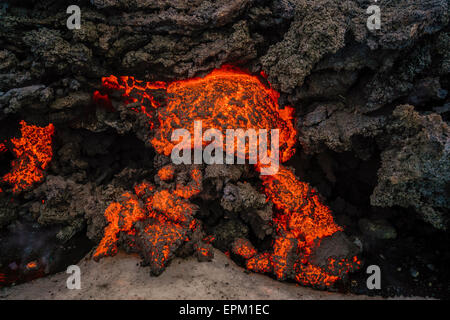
{"type": "Point", "coordinates": [378, 97]}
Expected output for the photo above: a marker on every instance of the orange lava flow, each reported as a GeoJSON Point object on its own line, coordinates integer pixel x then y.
{"type": "Point", "coordinates": [121, 216]}
{"type": "Point", "coordinates": [305, 216]}
{"type": "Point", "coordinates": [260, 263]}
{"type": "Point", "coordinates": [167, 218]}
{"type": "Point", "coordinates": [203, 251]}
{"type": "Point", "coordinates": [243, 248]}
{"type": "Point", "coordinates": [160, 241]}
{"type": "Point", "coordinates": [310, 275]}
{"type": "Point", "coordinates": [175, 208]}
{"type": "Point", "coordinates": [301, 222]}
{"type": "Point", "coordinates": [33, 153]}
{"type": "Point", "coordinates": [134, 91]}
{"type": "Point", "coordinates": [228, 98]}
{"type": "Point", "coordinates": [166, 173]}
{"type": "Point", "coordinates": [193, 188]}
{"type": "Point", "coordinates": [142, 188]}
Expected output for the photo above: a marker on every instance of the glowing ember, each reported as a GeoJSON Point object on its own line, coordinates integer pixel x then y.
{"type": "Point", "coordinates": [121, 217]}
{"type": "Point", "coordinates": [166, 173]}
{"type": "Point", "coordinates": [304, 215]}
{"type": "Point", "coordinates": [159, 241]}
{"type": "Point", "coordinates": [33, 153]}
{"type": "Point", "coordinates": [142, 188]}
{"type": "Point", "coordinates": [32, 265]}
{"type": "Point", "coordinates": [175, 208]}
{"type": "Point", "coordinates": [204, 252]}
{"type": "Point", "coordinates": [3, 148]}
{"type": "Point", "coordinates": [260, 263]}
{"type": "Point", "coordinates": [168, 219]}
{"type": "Point", "coordinates": [243, 248]}
{"type": "Point", "coordinates": [284, 255]}
{"type": "Point", "coordinates": [193, 188]}
{"type": "Point", "coordinates": [226, 98]}
{"type": "Point", "coordinates": [209, 239]}
{"type": "Point", "coordinates": [313, 275]}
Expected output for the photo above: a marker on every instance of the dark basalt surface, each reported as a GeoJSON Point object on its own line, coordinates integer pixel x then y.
{"type": "Point", "coordinates": [372, 113]}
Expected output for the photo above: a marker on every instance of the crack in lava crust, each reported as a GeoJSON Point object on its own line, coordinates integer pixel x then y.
{"type": "Point", "coordinates": [227, 98]}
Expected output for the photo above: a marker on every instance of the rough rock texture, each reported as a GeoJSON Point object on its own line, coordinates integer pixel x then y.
{"type": "Point", "coordinates": [344, 81]}
{"type": "Point", "coordinates": [331, 126]}
{"type": "Point", "coordinates": [72, 205]}
{"type": "Point", "coordinates": [8, 212]}
{"type": "Point", "coordinates": [319, 28]}
{"type": "Point", "coordinates": [416, 166]}
{"type": "Point", "coordinates": [337, 246]}
{"type": "Point", "coordinates": [242, 197]}
{"type": "Point", "coordinates": [380, 229]}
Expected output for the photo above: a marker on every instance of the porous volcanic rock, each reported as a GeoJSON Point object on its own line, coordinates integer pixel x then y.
{"type": "Point", "coordinates": [378, 97]}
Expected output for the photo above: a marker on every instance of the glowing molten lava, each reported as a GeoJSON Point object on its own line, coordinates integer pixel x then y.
{"type": "Point", "coordinates": [33, 153]}
{"type": "Point", "coordinates": [302, 212]}
{"type": "Point", "coordinates": [226, 98]}
{"type": "Point", "coordinates": [166, 173]}
{"type": "Point", "coordinates": [121, 217]}
{"type": "Point", "coordinates": [167, 218]}
{"type": "Point", "coordinates": [32, 265]}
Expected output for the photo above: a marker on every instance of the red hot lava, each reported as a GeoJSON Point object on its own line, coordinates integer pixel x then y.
{"type": "Point", "coordinates": [161, 220]}
{"type": "Point", "coordinates": [33, 153]}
